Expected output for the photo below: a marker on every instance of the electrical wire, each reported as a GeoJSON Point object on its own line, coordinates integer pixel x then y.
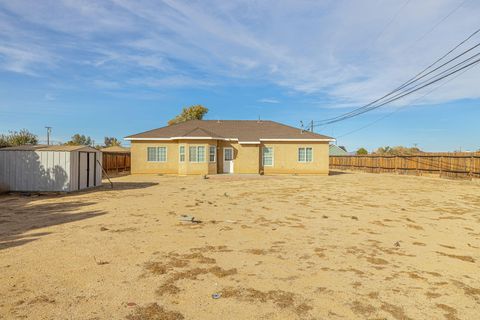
{"type": "Point", "coordinates": [403, 107]}
{"type": "Point", "coordinates": [401, 95]}
{"type": "Point", "coordinates": [413, 79]}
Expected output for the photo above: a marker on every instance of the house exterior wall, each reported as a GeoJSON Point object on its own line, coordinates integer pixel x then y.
{"type": "Point", "coordinates": [139, 163]}
{"type": "Point", "coordinates": [247, 158]}
{"type": "Point", "coordinates": [285, 158]}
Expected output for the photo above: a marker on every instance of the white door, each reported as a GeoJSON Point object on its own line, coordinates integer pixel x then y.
{"type": "Point", "coordinates": [227, 160]}
{"type": "Point", "coordinates": [91, 169]}
{"type": "Point", "coordinates": [83, 170]}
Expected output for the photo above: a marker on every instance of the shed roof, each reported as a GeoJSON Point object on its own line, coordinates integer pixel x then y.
{"type": "Point", "coordinates": [116, 149]}
{"type": "Point", "coordinates": [44, 147]}
{"type": "Point", "coordinates": [241, 130]}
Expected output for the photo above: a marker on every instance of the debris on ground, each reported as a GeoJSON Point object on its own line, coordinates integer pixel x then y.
{"type": "Point", "coordinates": [100, 262]}
{"type": "Point", "coordinates": [216, 295]}
{"type": "Point", "coordinates": [397, 244]}
{"type": "Point", "coordinates": [188, 218]}
{"type": "Point", "coordinates": [104, 229]}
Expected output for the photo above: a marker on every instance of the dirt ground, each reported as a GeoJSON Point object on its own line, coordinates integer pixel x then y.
{"type": "Point", "coordinates": [345, 246]}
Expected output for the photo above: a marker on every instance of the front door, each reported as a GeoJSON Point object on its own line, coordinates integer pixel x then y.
{"type": "Point", "coordinates": [227, 160]}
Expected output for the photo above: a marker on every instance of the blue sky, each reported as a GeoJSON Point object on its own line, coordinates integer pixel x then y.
{"type": "Point", "coordinates": [118, 67]}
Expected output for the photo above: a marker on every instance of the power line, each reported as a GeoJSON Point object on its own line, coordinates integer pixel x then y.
{"type": "Point", "coordinates": [401, 95]}
{"type": "Point", "coordinates": [391, 20]}
{"type": "Point", "coordinates": [437, 24]}
{"type": "Point", "coordinates": [403, 107]}
{"type": "Point", "coordinates": [408, 82]}
{"type": "Point", "coordinates": [353, 112]}
{"type": "Point", "coordinates": [414, 79]}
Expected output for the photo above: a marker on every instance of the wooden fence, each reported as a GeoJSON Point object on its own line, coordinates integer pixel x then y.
{"type": "Point", "coordinates": [115, 162]}
{"type": "Point", "coordinates": [451, 165]}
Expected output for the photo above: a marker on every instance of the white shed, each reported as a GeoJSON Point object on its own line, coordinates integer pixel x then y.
{"type": "Point", "coordinates": [50, 168]}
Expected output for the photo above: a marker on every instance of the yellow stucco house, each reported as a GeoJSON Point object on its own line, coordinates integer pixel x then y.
{"type": "Point", "coordinates": [229, 146]}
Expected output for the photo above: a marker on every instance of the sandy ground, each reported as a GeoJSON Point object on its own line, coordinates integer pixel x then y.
{"type": "Point", "coordinates": [346, 246]}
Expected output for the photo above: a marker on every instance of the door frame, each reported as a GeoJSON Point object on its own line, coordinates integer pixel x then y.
{"type": "Point", "coordinates": [88, 168]}
{"type": "Point", "coordinates": [224, 153]}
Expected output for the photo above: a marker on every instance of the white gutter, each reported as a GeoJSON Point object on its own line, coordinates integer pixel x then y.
{"type": "Point", "coordinates": [299, 140]}
{"type": "Point", "coordinates": [180, 138]}
{"type": "Point", "coordinates": [228, 139]}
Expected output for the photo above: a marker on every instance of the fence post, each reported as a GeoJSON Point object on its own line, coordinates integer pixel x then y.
{"type": "Point", "coordinates": [472, 161]}
{"type": "Point", "coordinates": [416, 166]}
{"type": "Point", "coordinates": [441, 166]}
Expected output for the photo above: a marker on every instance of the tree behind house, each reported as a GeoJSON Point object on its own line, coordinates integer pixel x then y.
{"type": "Point", "coordinates": [111, 142]}
{"type": "Point", "coordinates": [80, 139]}
{"type": "Point", "coordinates": [196, 112]}
{"type": "Point", "coordinates": [17, 138]}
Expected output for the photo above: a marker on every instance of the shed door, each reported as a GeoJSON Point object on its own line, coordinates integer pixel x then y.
{"type": "Point", "coordinates": [91, 169]}
{"type": "Point", "coordinates": [83, 170]}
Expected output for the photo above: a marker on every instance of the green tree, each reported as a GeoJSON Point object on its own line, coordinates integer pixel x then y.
{"type": "Point", "coordinates": [111, 142]}
{"type": "Point", "coordinates": [195, 112]}
{"type": "Point", "coordinates": [17, 138]}
{"type": "Point", "coordinates": [80, 140]}
{"type": "Point", "coordinates": [362, 151]}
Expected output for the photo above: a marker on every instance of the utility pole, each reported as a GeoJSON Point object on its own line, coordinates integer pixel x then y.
{"type": "Point", "coordinates": [49, 130]}
{"type": "Point", "coordinates": [311, 126]}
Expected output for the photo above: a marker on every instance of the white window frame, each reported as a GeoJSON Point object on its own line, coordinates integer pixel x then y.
{"type": "Point", "coordinates": [196, 154]}
{"type": "Point", "coordinates": [157, 154]}
{"type": "Point", "coordinates": [214, 148]}
{"type": "Point", "coordinates": [180, 154]}
{"type": "Point", "coordinates": [263, 157]}
{"type": "Point", "coordinates": [298, 155]}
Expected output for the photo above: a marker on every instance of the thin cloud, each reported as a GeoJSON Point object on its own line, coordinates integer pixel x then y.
{"type": "Point", "coordinates": [325, 48]}
{"type": "Point", "coordinates": [269, 100]}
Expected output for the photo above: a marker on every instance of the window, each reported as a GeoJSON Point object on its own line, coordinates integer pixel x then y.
{"type": "Point", "coordinates": [157, 154]}
{"type": "Point", "coordinates": [212, 153]}
{"type": "Point", "coordinates": [196, 154]}
{"type": "Point", "coordinates": [305, 155]}
{"type": "Point", "coordinates": [267, 156]}
{"type": "Point", "coordinates": [181, 154]}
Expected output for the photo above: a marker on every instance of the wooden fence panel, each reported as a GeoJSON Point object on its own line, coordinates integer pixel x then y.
{"type": "Point", "coordinates": [451, 165]}
{"type": "Point", "coordinates": [116, 162]}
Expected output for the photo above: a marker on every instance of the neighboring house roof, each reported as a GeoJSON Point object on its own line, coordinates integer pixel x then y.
{"type": "Point", "coordinates": [337, 151]}
{"type": "Point", "coordinates": [44, 147]}
{"type": "Point", "coordinates": [242, 130]}
{"type": "Point", "coordinates": [116, 149]}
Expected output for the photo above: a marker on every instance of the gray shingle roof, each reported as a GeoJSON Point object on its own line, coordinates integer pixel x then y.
{"type": "Point", "coordinates": [243, 130]}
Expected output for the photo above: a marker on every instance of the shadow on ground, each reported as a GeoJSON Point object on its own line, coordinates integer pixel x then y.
{"type": "Point", "coordinates": [336, 173]}
{"type": "Point", "coordinates": [19, 215]}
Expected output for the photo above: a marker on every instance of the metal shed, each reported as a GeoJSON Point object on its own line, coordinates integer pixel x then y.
{"type": "Point", "coordinates": [50, 168]}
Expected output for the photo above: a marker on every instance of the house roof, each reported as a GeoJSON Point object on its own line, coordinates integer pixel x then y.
{"type": "Point", "coordinates": [44, 147]}
{"type": "Point", "coordinates": [241, 130]}
{"type": "Point", "coordinates": [116, 149]}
